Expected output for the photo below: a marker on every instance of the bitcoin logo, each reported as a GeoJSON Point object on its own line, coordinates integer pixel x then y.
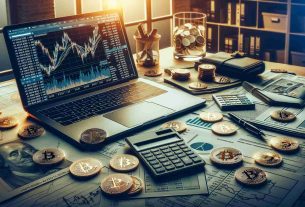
{"type": "Point", "coordinates": [224, 128]}
{"type": "Point", "coordinates": [49, 156]}
{"type": "Point", "coordinates": [124, 162]}
{"type": "Point", "coordinates": [116, 184]}
{"type": "Point", "coordinates": [269, 159]}
{"type": "Point", "coordinates": [86, 167]}
{"type": "Point", "coordinates": [30, 131]}
{"type": "Point", "coordinates": [284, 144]}
{"type": "Point", "coordinates": [226, 156]}
{"type": "Point", "coordinates": [176, 125]}
{"type": "Point", "coordinates": [250, 176]}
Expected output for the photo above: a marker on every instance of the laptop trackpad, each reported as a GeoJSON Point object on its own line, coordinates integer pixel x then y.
{"type": "Point", "coordinates": [138, 114]}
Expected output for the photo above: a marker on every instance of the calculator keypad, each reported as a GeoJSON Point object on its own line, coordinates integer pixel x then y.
{"type": "Point", "coordinates": [171, 157]}
{"type": "Point", "coordinates": [233, 102]}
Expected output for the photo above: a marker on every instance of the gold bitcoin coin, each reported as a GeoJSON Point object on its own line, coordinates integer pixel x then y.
{"type": "Point", "coordinates": [284, 144]}
{"type": "Point", "coordinates": [176, 125]}
{"type": "Point", "coordinates": [250, 176]}
{"type": "Point", "coordinates": [8, 122]}
{"type": "Point", "coordinates": [152, 73]}
{"type": "Point", "coordinates": [222, 80]}
{"type": "Point", "coordinates": [226, 156]}
{"type": "Point", "coordinates": [124, 162]}
{"type": "Point", "coordinates": [269, 159]}
{"type": "Point", "coordinates": [30, 131]}
{"type": "Point", "coordinates": [198, 85]}
{"type": "Point", "coordinates": [136, 187]}
{"type": "Point", "coordinates": [86, 167]}
{"type": "Point", "coordinates": [224, 128]}
{"type": "Point", "coordinates": [93, 136]}
{"type": "Point", "coordinates": [116, 184]}
{"type": "Point", "coordinates": [49, 156]}
{"type": "Point", "coordinates": [211, 116]}
{"type": "Point", "coordinates": [283, 116]}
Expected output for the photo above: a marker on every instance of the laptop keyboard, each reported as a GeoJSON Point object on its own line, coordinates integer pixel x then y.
{"type": "Point", "coordinates": [85, 108]}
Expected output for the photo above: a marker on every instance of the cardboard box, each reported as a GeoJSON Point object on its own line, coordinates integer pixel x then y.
{"type": "Point", "coordinates": [273, 21]}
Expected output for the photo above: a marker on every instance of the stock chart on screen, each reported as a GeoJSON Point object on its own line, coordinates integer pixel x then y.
{"type": "Point", "coordinates": [65, 57]}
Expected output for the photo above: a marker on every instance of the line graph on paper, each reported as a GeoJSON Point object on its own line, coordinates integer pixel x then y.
{"type": "Point", "coordinates": [71, 58]}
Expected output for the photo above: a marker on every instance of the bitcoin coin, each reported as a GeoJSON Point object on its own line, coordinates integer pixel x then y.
{"type": "Point", "coordinates": [268, 158]}
{"type": "Point", "coordinates": [124, 162]}
{"type": "Point", "coordinates": [86, 167]}
{"type": "Point", "coordinates": [152, 73]}
{"type": "Point", "coordinates": [211, 116]}
{"type": "Point", "coordinates": [198, 85]}
{"type": "Point", "coordinates": [93, 136]}
{"type": "Point", "coordinates": [176, 125]}
{"type": "Point", "coordinates": [283, 116]}
{"type": "Point", "coordinates": [224, 128]}
{"type": "Point", "coordinates": [8, 122]}
{"type": "Point", "coordinates": [284, 144]}
{"type": "Point", "coordinates": [278, 70]}
{"type": "Point", "coordinates": [136, 187]}
{"type": "Point", "coordinates": [222, 80]}
{"type": "Point", "coordinates": [30, 131]}
{"type": "Point", "coordinates": [226, 156]}
{"type": "Point", "coordinates": [250, 176]}
{"type": "Point", "coordinates": [116, 184]}
{"type": "Point", "coordinates": [49, 156]}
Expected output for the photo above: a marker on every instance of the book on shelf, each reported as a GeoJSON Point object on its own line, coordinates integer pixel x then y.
{"type": "Point", "coordinates": [226, 44]}
{"type": "Point", "coordinates": [257, 47]}
{"type": "Point", "coordinates": [246, 45]}
{"type": "Point", "coordinates": [241, 42]}
{"type": "Point", "coordinates": [238, 14]}
{"type": "Point", "coordinates": [211, 11]}
{"type": "Point", "coordinates": [247, 14]}
{"type": "Point", "coordinates": [252, 46]}
{"type": "Point", "coordinates": [229, 13]}
{"type": "Point", "coordinates": [212, 39]}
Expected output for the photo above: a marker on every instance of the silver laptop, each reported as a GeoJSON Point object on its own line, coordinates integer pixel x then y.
{"type": "Point", "coordinates": [77, 73]}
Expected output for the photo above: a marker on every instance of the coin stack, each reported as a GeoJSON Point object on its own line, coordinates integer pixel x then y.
{"type": "Point", "coordinates": [206, 72]}
{"type": "Point", "coordinates": [33, 10]}
{"type": "Point", "coordinates": [181, 74]}
{"type": "Point", "coordinates": [189, 39]}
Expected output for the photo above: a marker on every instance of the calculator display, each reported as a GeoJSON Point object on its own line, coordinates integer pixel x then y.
{"type": "Point", "coordinates": [153, 143]}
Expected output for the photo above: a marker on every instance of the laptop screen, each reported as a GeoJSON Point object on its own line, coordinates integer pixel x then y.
{"type": "Point", "coordinates": [64, 56]}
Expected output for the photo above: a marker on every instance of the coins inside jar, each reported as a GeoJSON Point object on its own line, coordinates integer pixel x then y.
{"type": "Point", "coordinates": [284, 144]}
{"type": "Point", "coordinates": [269, 159]}
{"type": "Point", "coordinates": [49, 156]}
{"type": "Point", "coordinates": [93, 136]}
{"type": "Point", "coordinates": [116, 184]}
{"type": "Point", "coordinates": [226, 156]}
{"type": "Point", "coordinates": [224, 128]}
{"type": "Point", "coordinates": [176, 125]}
{"type": "Point", "coordinates": [30, 131]}
{"type": "Point", "coordinates": [198, 85]}
{"type": "Point", "coordinates": [283, 116]}
{"type": "Point", "coordinates": [136, 187]}
{"type": "Point", "coordinates": [211, 116]}
{"type": "Point", "coordinates": [8, 122]}
{"type": "Point", "coordinates": [124, 162]}
{"type": "Point", "coordinates": [86, 167]}
{"type": "Point", "coordinates": [250, 176]}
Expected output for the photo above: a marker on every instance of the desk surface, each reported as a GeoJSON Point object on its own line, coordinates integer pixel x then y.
{"type": "Point", "coordinates": [65, 192]}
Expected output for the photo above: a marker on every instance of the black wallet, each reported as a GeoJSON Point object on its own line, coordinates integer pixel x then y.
{"type": "Point", "coordinates": [234, 65]}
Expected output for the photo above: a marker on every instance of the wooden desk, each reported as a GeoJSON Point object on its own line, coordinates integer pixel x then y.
{"type": "Point", "coordinates": [167, 60]}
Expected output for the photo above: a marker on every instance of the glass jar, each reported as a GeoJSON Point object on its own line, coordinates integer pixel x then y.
{"type": "Point", "coordinates": [147, 50]}
{"type": "Point", "coordinates": [189, 35]}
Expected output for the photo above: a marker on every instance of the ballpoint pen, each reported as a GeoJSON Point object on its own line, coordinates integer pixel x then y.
{"type": "Point", "coordinates": [246, 125]}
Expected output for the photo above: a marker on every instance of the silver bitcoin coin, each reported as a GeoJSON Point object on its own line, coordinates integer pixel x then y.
{"type": "Point", "coordinates": [86, 167]}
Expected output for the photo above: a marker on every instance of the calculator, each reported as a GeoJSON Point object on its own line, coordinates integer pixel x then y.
{"type": "Point", "coordinates": [164, 153]}
{"type": "Point", "coordinates": [233, 102]}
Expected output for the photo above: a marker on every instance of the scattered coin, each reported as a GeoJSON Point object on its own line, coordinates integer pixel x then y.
{"type": "Point", "coordinates": [152, 73]}
{"type": "Point", "coordinates": [30, 131]}
{"type": "Point", "coordinates": [250, 176]}
{"type": "Point", "coordinates": [181, 74]}
{"type": "Point", "coordinates": [124, 162]}
{"type": "Point", "coordinates": [283, 116]}
{"type": "Point", "coordinates": [278, 70]}
{"type": "Point", "coordinates": [176, 125]}
{"type": "Point", "coordinates": [222, 80]}
{"type": "Point", "coordinates": [198, 85]}
{"type": "Point", "coordinates": [49, 156]}
{"type": "Point", "coordinates": [93, 136]}
{"type": "Point", "coordinates": [86, 167]}
{"type": "Point", "coordinates": [136, 187]}
{"type": "Point", "coordinates": [268, 158]}
{"type": "Point", "coordinates": [211, 116]}
{"type": "Point", "coordinates": [8, 122]}
{"type": "Point", "coordinates": [116, 184]}
{"type": "Point", "coordinates": [226, 156]}
{"type": "Point", "coordinates": [284, 144]}
{"type": "Point", "coordinates": [224, 128]}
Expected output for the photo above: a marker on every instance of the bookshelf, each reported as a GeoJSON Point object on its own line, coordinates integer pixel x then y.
{"type": "Point", "coordinates": [272, 30]}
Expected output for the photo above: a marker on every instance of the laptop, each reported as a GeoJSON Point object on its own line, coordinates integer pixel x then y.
{"type": "Point", "coordinates": [77, 73]}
